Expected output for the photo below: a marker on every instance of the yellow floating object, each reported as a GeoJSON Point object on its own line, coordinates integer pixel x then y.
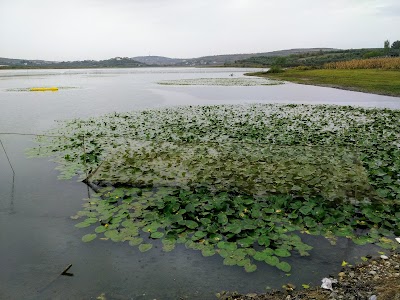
{"type": "Point", "coordinates": [43, 89]}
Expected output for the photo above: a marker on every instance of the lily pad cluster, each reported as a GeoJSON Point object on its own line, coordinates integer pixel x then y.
{"type": "Point", "coordinates": [222, 81]}
{"type": "Point", "coordinates": [241, 181]}
{"type": "Point", "coordinates": [243, 230]}
{"type": "Point", "coordinates": [249, 169]}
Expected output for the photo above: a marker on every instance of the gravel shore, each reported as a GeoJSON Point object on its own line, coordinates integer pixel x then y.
{"type": "Point", "coordinates": [376, 279]}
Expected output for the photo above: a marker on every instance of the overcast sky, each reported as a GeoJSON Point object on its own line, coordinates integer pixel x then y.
{"type": "Point", "coordinates": [101, 29]}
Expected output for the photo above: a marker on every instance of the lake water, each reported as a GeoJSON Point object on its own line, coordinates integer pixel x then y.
{"type": "Point", "coordinates": [37, 237]}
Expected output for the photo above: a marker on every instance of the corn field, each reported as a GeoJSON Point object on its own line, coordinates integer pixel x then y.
{"type": "Point", "coordinates": [387, 63]}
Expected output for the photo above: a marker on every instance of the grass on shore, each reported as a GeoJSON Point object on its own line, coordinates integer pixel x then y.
{"type": "Point", "coordinates": [374, 81]}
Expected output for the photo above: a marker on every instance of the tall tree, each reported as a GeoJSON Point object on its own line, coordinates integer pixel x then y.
{"type": "Point", "coordinates": [386, 46]}
{"type": "Point", "coordinates": [396, 45]}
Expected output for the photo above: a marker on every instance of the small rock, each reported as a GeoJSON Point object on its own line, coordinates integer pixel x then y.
{"type": "Point", "coordinates": [251, 295]}
{"type": "Point", "coordinates": [291, 286]}
{"type": "Point", "coordinates": [376, 278]}
{"type": "Point", "coordinates": [333, 295]}
{"type": "Point", "coordinates": [373, 297]}
{"type": "Point", "coordinates": [384, 257]}
{"type": "Point", "coordinates": [397, 267]}
{"type": "Point", "coordinates": [342, 274]}
{"type": "Point", "coordinates": [351, 274]}
{"type": "Point", "coordinates": [373, 273]}
{"type": "Point", "coordinates": [327, 283]}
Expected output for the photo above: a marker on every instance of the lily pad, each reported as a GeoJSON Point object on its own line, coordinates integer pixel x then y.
{"type": "Point", "coordinates": [88, 237]}
{"type": "Point", "coordinates": [250, 268]}
{"type": "Point", "coordinates": [135, 241]}
{"type": "Point", "coordinates": [272, 260]}
{"type": "Point", "coordinates": [145, 247]}
{"type": "Point", "coordinates": [284, 266]}
{"type": "Point", "coordinates": [157, 235]}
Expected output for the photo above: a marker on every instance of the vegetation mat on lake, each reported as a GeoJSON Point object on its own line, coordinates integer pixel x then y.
{"type": "Point", "coordinates": [241, 181]}
{"type": "Point", "coordinates": [251, 169]}
{"type": "Point", "coordinates": [222, 82]}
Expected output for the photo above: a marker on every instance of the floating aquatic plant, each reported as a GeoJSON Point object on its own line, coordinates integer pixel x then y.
{"type": "Point", "coordinates": [222, 81]}
{"type": "Point", "coordinates": [243, 182]}
{"type": "Point", "coordinates": [250, 169]}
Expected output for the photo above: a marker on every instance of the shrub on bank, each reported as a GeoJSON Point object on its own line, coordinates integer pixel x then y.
{"type": "Point", "coordinates": [275, 69]}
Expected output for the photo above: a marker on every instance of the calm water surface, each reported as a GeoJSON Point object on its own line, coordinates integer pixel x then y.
{"type": "Point", "coordinates": [37, 237]}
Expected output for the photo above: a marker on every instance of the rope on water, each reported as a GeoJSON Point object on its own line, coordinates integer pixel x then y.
{"type": "Point", "coordinates": [7, 157]}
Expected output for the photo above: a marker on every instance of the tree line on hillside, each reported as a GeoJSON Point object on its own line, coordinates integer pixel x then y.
{"type": "Point", "coordinates": [318, 59]}
{"type": "Point", "coordinates": [117, 62]}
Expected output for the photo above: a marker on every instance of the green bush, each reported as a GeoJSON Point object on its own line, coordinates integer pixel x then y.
{"type": "Point", "coordinates": [275, 69]}
{"type": "Point", "coordinates": [372, 54]}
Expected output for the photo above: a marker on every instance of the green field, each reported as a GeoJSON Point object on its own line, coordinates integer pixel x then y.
{"type": "Point", "coordinates": [375, 81]}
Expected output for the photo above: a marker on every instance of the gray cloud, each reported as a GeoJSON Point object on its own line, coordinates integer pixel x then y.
{"type": "Point", "coordinates": [77, 29]}
{"type": "Point", "coordinates": [389, 10]}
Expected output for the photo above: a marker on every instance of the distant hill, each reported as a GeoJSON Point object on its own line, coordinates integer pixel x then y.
{"type": "Point", "coordinates": [19, 62]}
{"type": "Point", "coordinates": [117, 62]}
{"type": "Point", "coordinates": [146, 61]}
{"type": "Point", "coordinates": [218, 60]}
{"type": "Point", "coordinates": [157, 60]}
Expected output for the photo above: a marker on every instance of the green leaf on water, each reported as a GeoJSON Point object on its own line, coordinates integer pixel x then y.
{"type": "Point", "coordinates": [89, 237]}
{"type": "Point", "coordinates": [250, 268]}
{"type": "Point", "coordinates": [199, 234]}
{"type": "Point", "coordinates": [227, 246]}
{"type": "Point", "coordinates": [191, 224]}
{"type": "Point", "coordinates": [246, 242]}
{"type": "Point", "coordinates": [272, 260]}
{"type": "Point", "coordinates": [135, 241]}
{"type": "Point", "coordinates": [208, 251]}
{"type": "Point", "coordinates": [100, 229]}
{"type": "Point", "coordinates": [234, 228]}
{"type": "Point", "coordinates": [145, 247]}
{"type": "Point", "coordinates": [222, 219]}
{"type": "Point", "coordinates": [157, 235]}
{"type": "Point", "coordinates": [260, 256]}
{"type": "Point", "coordinates": [113, 234]}
{"type": "Point", "coordinates": [284, 266]}
{"type": "Point", "coordinates": [282, 252]}
{"type": "Point", "coordinates": [229, 261]}
{"type": "Point", "coordinates": [83, 224]}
